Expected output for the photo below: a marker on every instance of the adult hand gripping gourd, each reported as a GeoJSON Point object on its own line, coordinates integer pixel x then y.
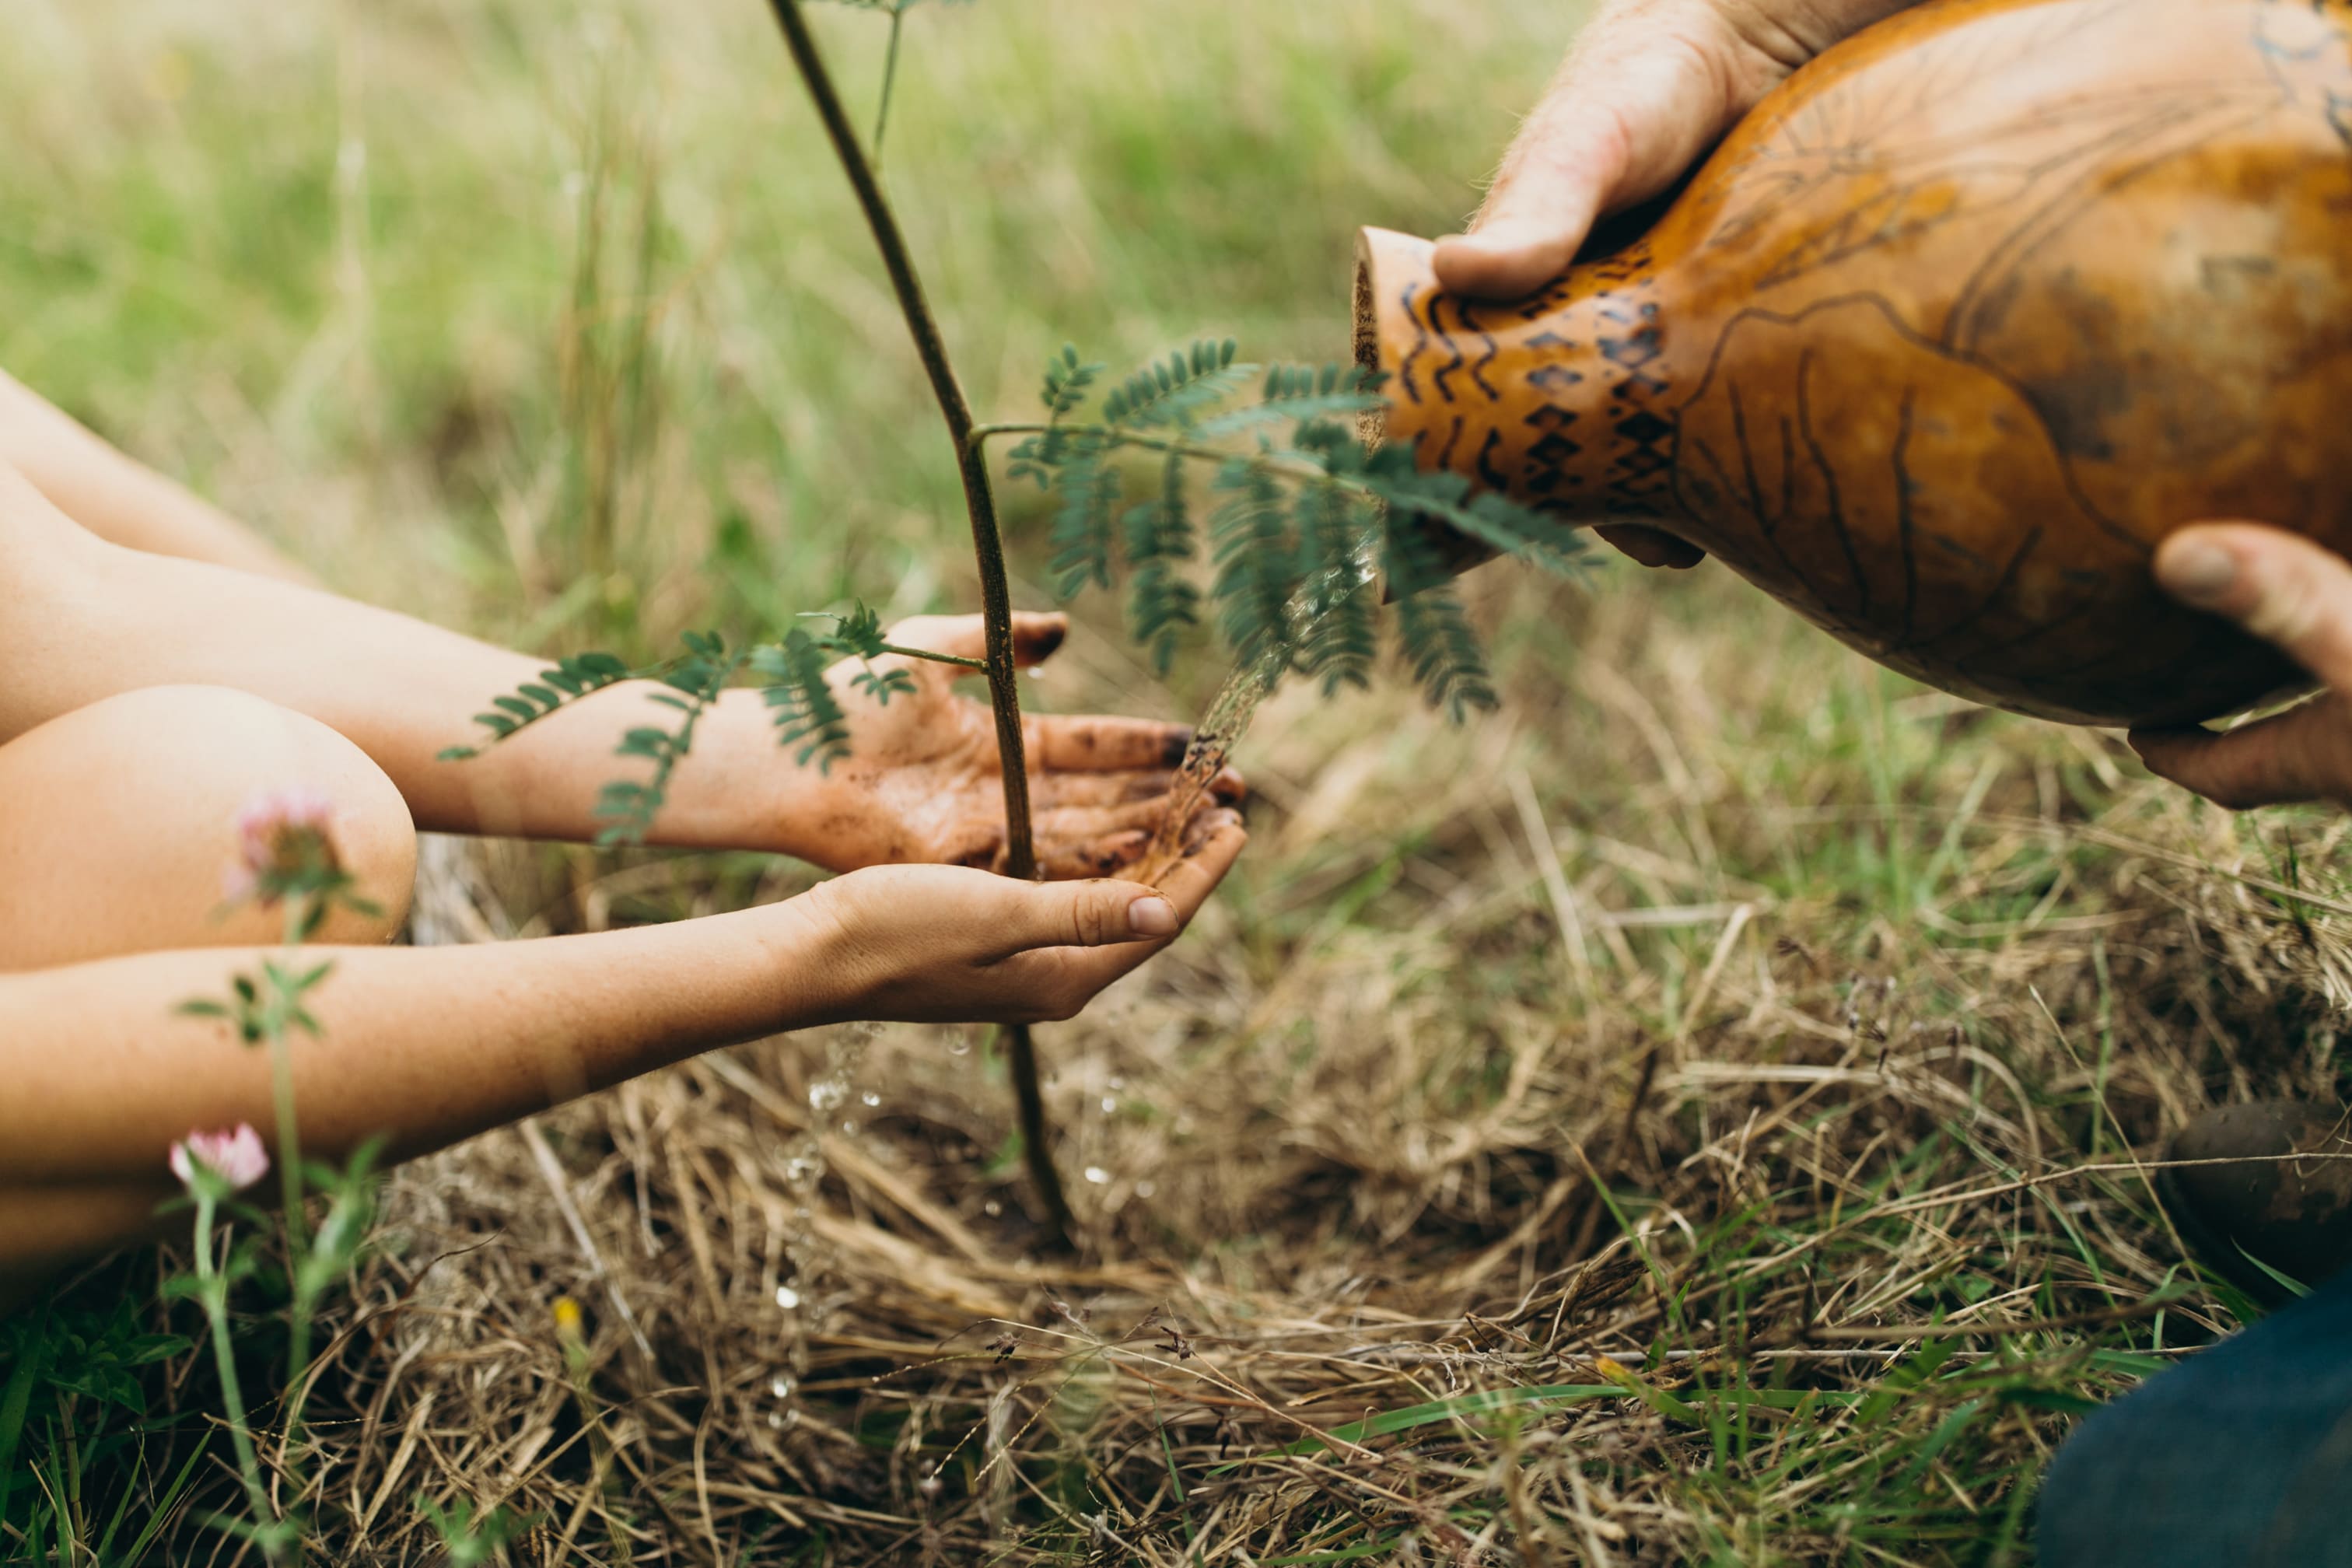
{"type": "Point", "coordinates": [1649, 86]}
{"type": "Point", "coordinates": [2289, 592]}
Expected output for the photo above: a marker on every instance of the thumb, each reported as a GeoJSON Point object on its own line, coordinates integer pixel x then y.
{"type": "Point", "coordinates": [2280, 586]}
{"type": "Point", "coordinates": [1645, 91]}
{"type": "Point", "coordinates": [1100, 914]}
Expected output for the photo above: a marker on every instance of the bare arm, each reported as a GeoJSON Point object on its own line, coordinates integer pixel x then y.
{"type": "Point", "coordinates": [122, 502]}
{"type": "Point", "coordinates": [86, 619]}
{"type": "Point", "coordinates": [430, 1045]}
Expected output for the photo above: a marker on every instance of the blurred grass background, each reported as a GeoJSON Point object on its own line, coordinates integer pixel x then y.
{"type": "Point", "coordinates": [485, 297]}
{"type": "Point", "coordinates": [556, 322]}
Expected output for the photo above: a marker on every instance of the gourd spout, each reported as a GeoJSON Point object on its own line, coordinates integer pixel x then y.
{"type": "Point", "coordinates": [1555, 400]}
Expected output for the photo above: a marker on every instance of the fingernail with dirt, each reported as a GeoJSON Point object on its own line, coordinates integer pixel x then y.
{"type": "Point", "coordinates": [1152, 917]}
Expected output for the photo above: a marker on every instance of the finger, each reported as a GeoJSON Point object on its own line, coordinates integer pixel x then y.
{"type": "Point", "coordinates": [1080, 823]}
{"type": "Point", "coordinates": [1206, 825]}
{"type": "Point", "coordinates": [1104, 841]}
{"type": "Point", "coordinates": [1035, 636]}
{"type": "Point", "coordinates": [2304, 753]}
{"type": "Point", "coordinates": [1057, 789]}
{"type": "Point", "coordinates": [1187, 885]}
{"type": "Point", "coordinates": [1645, 91]}
{"type": "Point", "coordinates": [1101, 912]}
{"type": "Point", "coordinates": [1063, 791]}
{"type": "Point", "coordinates": [1063, 859]}
{"type": "Point", "coordinates": [1095, 743]}
{"type": "Point", "coordinates": [2283, 588]}
{"type": "Point", "coordinates": [1653, 546]}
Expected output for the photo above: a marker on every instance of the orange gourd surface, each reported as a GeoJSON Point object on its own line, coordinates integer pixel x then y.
{"type": "Point", "coordinates": [1946, 336]}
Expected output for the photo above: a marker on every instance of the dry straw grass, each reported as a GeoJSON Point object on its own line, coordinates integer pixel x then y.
{"type": "Point", "coordinates": [1346, 1152]}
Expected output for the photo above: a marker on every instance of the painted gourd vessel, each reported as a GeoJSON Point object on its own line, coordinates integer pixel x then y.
{"type": "Point", "coordinates": [1945, 336]}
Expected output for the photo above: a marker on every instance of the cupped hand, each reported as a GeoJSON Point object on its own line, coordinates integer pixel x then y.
{"type": "Point", "coordinates": [923, 781]}
{"type": "Point", "coordinates": [2290, 592]}
{"type": "Point", "coordinates": [946, 944]}
{"type": "Point", "coordinates": [1649, 87]}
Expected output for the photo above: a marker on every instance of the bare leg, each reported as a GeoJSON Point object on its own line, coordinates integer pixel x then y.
{"type": "Point", "coordinates": [119, 500]}
{"type": "Point", "coordinates": [118, 825]}
{"type": "Point", "coordinates": [116, 835]}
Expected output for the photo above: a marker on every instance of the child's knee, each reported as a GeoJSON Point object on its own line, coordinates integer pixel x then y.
{"type": "Point", "coordinates": [208, 752]}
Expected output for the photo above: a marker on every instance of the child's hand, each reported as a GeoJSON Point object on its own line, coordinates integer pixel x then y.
{"type": "Point", "coordinates": [939, 944]}
{"type": "Point", "coordinates": [2288, 591]}
{"type": "Point", "coordinates": [922, 782]}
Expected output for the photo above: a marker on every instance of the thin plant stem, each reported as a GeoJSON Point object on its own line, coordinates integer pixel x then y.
{"type": "Point", "coordinates": [1028, 1096]}
{"type": "Point", "coordinates": [980, 499]}
{"type": "Point", "coordinates": [1272, 463]}
{"type": "Point", "coordinates": [281, 1085]}
{"type": "Point", "coordinates": [988, 552]}
{"type": "Point", "coordinates": [216, 1298]}
{"type": "Point", "coordinates": [889, 79]}
{"type": "Point", "coordinates": [300, 916]}
{"type": "Point", "coordinates": [981, 664]}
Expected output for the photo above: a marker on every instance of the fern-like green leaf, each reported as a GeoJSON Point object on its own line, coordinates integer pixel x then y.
{"type": "Point", "coordinates": [697, 678]}
{"type": "Point", "coordinates": [801, 702]}
{"type": "Point", "coordinates": [1338, 636]}
{"type": "Point", "coordinates": [1068, 381]}
{"type": "Point", "coordinates": [574, 677]}
{"type": "Point", "coordinates": [1294, 392]}
{"type": "Point", "coordinates": [1178, 390]}
{"type": "Point", "coordinates": [1492, 519]}
{"type": "Point", "coordinates": [856, 634]}
{"type": "Point", "coordinates": [1162, 600]}
{"type": "Point", "coordinates": [1444, 651]}
{"type": "Point", "coordinates": [1257, 565]}
{"type": "Point", "coordinates": [1086, 490]}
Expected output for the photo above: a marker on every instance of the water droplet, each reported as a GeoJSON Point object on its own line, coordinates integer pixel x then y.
{"type": "Point", "coordinates": [1110, 1104]}
{"type": "Point", "coordinates": [1116, 1082]}
{"type": "Point", "coordinates": [826, 1094]}
{"type": "Point", "coordinates": [782, 1387]}
{"type": "Point", "coordinates": [871, 1098]}
{"type": "Point", "coordinates": [787, 1298]}
{"type": "Point", "coordinates": [849, 1129]}
{"type": "Point", "coordinates": [776, 1419]}
{"type": "Point", "coordinates": [800, 1169]}
{"type": "Point", "coordinates": [958, 1047]}
{"type": "Point", "coordinates": [1097, 1174]}
{"type": "Point", "coordinates": [991, 1208]}
{"type": "Point", "coordinates": [1146, 1187]}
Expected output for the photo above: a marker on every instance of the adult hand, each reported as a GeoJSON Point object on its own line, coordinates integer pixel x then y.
{"type": "Point", "coordinates": [923, 781]}
{"type": "Point", "coordinates": [941, 944]}
{"type": "Point", "coordinates": [1649, 87]}
{"type": "Point", "coordinates": [2288, 591]}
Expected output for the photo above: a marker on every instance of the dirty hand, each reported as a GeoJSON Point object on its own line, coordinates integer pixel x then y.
{"type": "Point", "coordinates": [2288, 591]}
{"type": "Point", "coordinates": [1649, 86]}
{"type": "Point", "coordinates": [941, 945]}
{"type": "Point", "coordinates": [922, 780]}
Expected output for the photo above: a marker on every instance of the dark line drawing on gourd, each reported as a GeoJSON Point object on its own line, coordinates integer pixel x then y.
{"type": "Point", "coordinates": [1437, 326]}
{"type": "Point", "coordinates": [1405, 383]}
{"type": "Point", "coordinates": [1753, 363]}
